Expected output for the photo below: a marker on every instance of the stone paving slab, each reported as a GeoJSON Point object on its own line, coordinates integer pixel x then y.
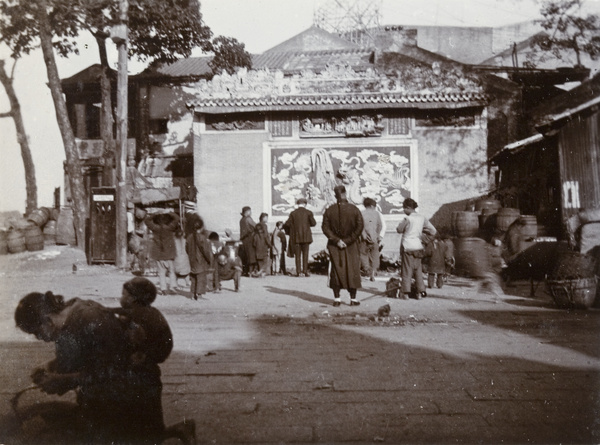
{"type": "Point", "coordinates": [277, 363]}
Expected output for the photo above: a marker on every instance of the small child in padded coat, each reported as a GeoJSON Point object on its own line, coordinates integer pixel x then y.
{"type": "Point", "coordinates": [437, 256]}
{"type": "Point", "coordinates": [200, 254]}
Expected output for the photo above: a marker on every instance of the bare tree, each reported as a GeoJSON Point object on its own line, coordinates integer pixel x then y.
{"type": "Point", "coordinates": [566, 30]}
{"type": "Point", "coordinates": [15, 113]}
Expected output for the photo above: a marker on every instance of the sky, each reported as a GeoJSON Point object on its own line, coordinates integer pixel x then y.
{"type": "Point", "coordinates": [259, 24]}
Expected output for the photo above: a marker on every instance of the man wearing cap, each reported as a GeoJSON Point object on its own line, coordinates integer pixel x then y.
{"type": "Point", "coordinates": [298, 227]}
{"type": "Point", "coordinates": [411, 248]}
{"type": "Point", "coordinates": [343, 225]}
{"type": "Point", "coordinates": [247, 254]}
{"type": "Point", "coordinates": [371, 238]}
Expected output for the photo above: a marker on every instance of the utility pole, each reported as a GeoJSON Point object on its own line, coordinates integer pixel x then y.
{"type": "Point", "coordinates": [119, 35]}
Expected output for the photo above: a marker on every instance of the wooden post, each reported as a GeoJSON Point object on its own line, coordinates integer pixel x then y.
{"type": "Point", "coordinates": [120, 38]}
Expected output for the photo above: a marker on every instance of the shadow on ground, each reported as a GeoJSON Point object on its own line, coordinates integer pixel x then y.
{"type": "Point", "coordinates": [307, 381]}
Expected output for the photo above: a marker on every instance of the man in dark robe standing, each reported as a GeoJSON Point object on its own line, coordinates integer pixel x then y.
{"type": "Point", "coordinates": [343, 225]}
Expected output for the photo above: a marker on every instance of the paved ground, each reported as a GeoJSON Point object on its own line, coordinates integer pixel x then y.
{"type": "Point", "coordinates": [276, 363]}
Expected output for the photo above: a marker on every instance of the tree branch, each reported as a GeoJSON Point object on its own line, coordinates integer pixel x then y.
{"type": "Point", "coordinates": [7, 114]}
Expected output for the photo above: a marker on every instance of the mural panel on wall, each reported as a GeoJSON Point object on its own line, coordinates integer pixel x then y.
{"type": "Point", "coordinates": [381, 173]}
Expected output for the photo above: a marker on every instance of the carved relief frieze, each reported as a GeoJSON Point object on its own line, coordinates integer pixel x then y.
{"type": "Point", "coordinates": [338, 126]}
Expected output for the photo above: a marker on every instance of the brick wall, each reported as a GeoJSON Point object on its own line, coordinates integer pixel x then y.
{"type": "Point", "coordinates": [228, 172]}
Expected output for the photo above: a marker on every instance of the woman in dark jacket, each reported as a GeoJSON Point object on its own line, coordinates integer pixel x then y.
{"type": "Point", "coordinates": [262, 245]}
{"type": "Point", "coordinates": [248, 254]}
{"type": "Point", "coordinates": [200, 255]}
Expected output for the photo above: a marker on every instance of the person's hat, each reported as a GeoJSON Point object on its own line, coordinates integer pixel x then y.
{"type": "Point", "coordinates": [244, 209]}
{"type": "Point", "coordinates": [302, 201]}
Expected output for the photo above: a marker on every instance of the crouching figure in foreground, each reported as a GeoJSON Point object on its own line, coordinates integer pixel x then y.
{"type": "Point", "coordinates": [104, 355]}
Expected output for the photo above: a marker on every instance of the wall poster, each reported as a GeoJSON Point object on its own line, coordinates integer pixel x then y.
{"type": "Point", "coordinates": [381, 173]}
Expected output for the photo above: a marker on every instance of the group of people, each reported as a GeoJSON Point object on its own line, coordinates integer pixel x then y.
{"type": "Point", "coordinates": [264, 253]}
{"type": "Point", "coordinates": [354, 246]}
{"type": "Point", "coordinates": [110, 357]}
{"type": "Point", "coordinates": [188, 251]}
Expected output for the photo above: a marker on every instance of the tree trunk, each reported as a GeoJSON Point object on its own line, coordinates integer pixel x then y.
{"type": "Point", "coordinates": [73, 164]}
{"type": "Point", "coordinates": [15, 113]}
{"type": "Point", "coordinates": [106, 115]}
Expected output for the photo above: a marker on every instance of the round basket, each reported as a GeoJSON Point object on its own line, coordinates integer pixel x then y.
{"type": "Point", "coordinates": [573, 294]}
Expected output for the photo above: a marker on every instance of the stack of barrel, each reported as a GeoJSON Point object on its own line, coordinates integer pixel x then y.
{"type": "Point", "coordinates": [43, 226]}
{"type": "Point", "coordinates": [470, 250]}
{"type": "Point", "coordinates": [485, 222]}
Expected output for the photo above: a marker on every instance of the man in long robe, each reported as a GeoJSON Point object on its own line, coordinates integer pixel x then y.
{"type": "Point", "coordinates": [343, 226]}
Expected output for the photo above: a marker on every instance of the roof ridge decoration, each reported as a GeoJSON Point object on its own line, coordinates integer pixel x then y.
{"type": "Point", "coordinates": [336, 79]}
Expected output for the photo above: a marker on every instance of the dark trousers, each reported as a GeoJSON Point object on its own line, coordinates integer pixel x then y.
{"type": "Point", "coordinates": [301, 255]}
{"type": "Point", "coordinates": [412, 268]}
{"type": "Point", "coordinates": [198, 283]}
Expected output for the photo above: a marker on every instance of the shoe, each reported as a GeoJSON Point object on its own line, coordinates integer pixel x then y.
{"type": "Point", "coordinates": [421, 295]}
{"type": "Point", "coordinates": [354, 303]}
{"type": "Point", "coordinates": [307, 274]}
{"type": "Point", "coordinates": [405, 296]}
{"type": "Point", "coordinates": [336, 303]}
{"type": "Point", "coordinates": [195, 296]}
{"type": "Point", "coordinates": [372, 279]}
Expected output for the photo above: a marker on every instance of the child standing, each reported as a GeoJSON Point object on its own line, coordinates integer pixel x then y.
{"type": "Point", "coordinates": [437, 255]}
{"type": "Point", "coordinates": [182, 262]}
{"type": "Point", "coordinates": [278, 246]}
{"type": "Point", "coordinates": [216, 247]}
{"type": "Point", "coordinates": [262, 245]}
{"type": "Point", "coordinates": [199, 252]}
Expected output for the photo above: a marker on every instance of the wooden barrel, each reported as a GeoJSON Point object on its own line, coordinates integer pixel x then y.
{"type": "Point", "coordinates": [493, 205]}
{"type": "Point", "coordinates": [505, 217]}
{"type": "Point", "coordinates": [40, 216]}
{"type": "Point", "coordinates": [472, 257]}
{"type": "Point", "coordinates": [54, 212]}
{"type": "Point", "coordinates": [16, 241]}
{"type": "Point", "coordinates": [65, 230]}
{"type": "Point", "coordinates": [465, 224]}
{"type": "Point", "coordinates": [3, 242]}
{"type": "Point", "coordinates": [487, 222]}
{"type": "Point", "coordinates": [530, 227]}
{"type": "Point", "coordinates": [34, 238]}
{"type": "Point", "coordinates": [50, 233]}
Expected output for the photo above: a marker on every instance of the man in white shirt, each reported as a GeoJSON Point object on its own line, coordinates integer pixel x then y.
{"type": "Point", "coordinates": [411, 248]}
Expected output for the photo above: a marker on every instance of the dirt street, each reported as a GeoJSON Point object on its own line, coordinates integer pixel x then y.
{"type": "Point", "coordinates": [277, 363]}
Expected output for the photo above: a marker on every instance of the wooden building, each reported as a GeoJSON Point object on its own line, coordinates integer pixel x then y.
{"type": "Point", "coordinates": [555, 172]}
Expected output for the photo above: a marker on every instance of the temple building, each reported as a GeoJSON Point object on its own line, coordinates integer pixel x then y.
{"type": "Point", "coordinates": [388, 122]}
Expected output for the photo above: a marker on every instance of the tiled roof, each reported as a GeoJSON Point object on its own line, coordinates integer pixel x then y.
{"type": "Point", "coordinates": [333, 101]}
{"type": "Point", "coordinates": [190, 67]}
{"type": "Point", "coordinates": [91, 74]}
{"type": "Point", "coordinates": [585, 92]}
{"type": "Point", "coordinates": [295, 61]}
{"type": "Point", "coordinates": [313, 39]}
